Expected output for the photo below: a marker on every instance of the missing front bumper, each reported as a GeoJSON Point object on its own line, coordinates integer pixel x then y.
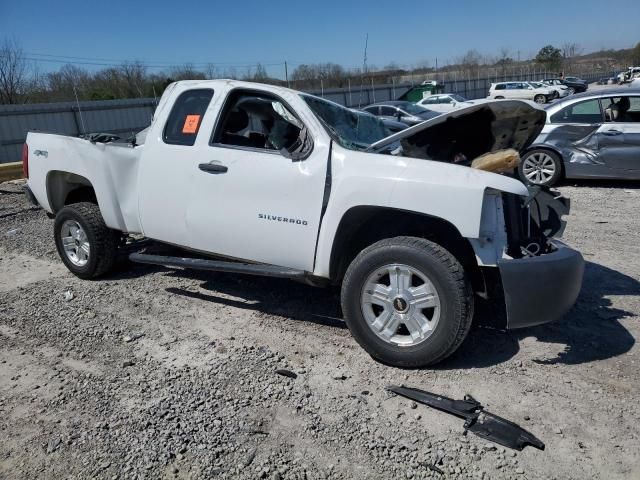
{"type": "Point", "coordinates": [541, 289]}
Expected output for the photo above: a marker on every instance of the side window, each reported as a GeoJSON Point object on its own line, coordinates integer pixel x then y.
{"type": "Point", "coordinates": [387, 111]}
{"type": "Point", "coordinates": [582, 112]}
{"type": "Point", "coordinates": [259, 120]}
{"type": "Point", "coordinates": [500, 86]}
{"type": "Point", "coordinates": [444, 100]}
{"type": "Point", "coordinates": [512, 86]}
{"type": "Point", "coordinates": [186, 116]}
{"type": "Point", "coordinates": [430, 101]}
{"type": "Point", "coordinates": [621, 109]}
{"type": "Point", "coordinates": [371, 110]}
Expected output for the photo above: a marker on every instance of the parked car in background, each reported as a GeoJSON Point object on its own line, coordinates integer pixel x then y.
{"type": "Point", "coordinates": [392, 126]}
{"type": "Point", "coordinates": [575, 85]}
{"type": "Point", "coordinates": [444, 102]}
{"type": "Point", "coordinates": [629, 75]}
{"type": "Point", "coordinates": [520, 90]}
{"type": "Point", "coordinates": [401, 111]}
{"type": "Point", "coordinates": [588, 135]}
{"type": "Point", "coordinates": [560, 90]}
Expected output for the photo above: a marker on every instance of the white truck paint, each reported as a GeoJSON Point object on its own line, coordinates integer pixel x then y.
{"type": "Point", "coordinates": [271, 208]}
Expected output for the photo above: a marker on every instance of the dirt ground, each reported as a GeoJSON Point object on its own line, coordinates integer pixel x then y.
{"type": "Point", "coordinates": [150, 373]}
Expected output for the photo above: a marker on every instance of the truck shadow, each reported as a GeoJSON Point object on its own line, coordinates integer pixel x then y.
{"type": "Point", "coordinates": [272, 296]}
{"type": "Point", "coordinates": [590, 331]}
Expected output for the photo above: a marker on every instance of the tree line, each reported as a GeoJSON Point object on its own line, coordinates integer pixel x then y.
{"type": "Point", "coordinates": [22, 82]}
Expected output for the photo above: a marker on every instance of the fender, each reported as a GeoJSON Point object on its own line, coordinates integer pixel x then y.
{"type": "Point", "coordinates": [449, 192]}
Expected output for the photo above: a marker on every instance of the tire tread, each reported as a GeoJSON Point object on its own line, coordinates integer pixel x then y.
{"type": "Point", "coordinates": [464, 302]}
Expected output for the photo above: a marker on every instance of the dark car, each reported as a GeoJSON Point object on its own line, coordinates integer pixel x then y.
{"type": "Point", "coordinates": [392, 126]}
{"type": "Point", "coordinates": [574, 84]}
{"type": "Point", "coordinates": [405, 112]}
{"type": "Point", "coordinates": [588, 135]}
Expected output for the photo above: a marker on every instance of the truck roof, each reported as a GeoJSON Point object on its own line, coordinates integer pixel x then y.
{"type": "Point", "coordinates": [234, 83]}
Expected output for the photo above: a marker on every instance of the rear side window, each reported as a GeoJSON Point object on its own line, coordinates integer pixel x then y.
{"type": "Point", "coordinates": [186, 116]}
{"type": "Point", "coordinates": [582, 112]}
{"type": "Point", "coordinates": [500, 86]}
{"type": "Point", "coordinates": [388, 111]}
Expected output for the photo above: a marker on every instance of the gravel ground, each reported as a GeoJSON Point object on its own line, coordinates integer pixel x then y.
{"type": "Point", "coordinates": [155, 374]}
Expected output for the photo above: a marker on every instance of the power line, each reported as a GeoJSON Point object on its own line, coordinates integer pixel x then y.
{"type": "Point", "coordinates": [150, 63]}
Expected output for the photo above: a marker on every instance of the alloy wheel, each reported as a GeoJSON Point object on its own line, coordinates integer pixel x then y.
{"type": "Point", "coordinates": [75, 243]}
{"type": "Point", "coordinates": [400, 305]}
{"type": "Point", "coordinates": [539, 168]}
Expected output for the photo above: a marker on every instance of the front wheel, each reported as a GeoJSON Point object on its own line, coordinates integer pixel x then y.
{"type": "Point", "coordinates": [571, 90]}
{"type": "Point", "coordinates": [540, 99]}
{"type": "Point", "coordinates": [85, 244]}
{"type": "Point", "coordinates": [407, 302]}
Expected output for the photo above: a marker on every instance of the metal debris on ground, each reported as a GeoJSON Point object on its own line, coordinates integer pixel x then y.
{"type": "Point", "coordinates": [477, 420]}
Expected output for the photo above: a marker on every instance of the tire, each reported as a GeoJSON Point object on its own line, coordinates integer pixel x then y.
{"type": "Point", "coordinates": [540, 167]}
{"type": "Point", "coordinates": [91, 247]}
{"type": "Point", "coordinates": [540, 99]}
{"type": "Point", "coordinates": [499, 97]}
{"type": "Point", "coordinates": [450, 320]}
{"type": "Point", "coordinates": [572, 90]}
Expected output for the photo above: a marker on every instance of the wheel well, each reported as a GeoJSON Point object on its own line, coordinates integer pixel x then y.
{"type": "Point", "coordinates": [365, 225]}
{"type": "Point", "coordinates": [64, 188]}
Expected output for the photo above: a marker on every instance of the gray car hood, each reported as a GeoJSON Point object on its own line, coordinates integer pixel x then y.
{"type": "Point", "coordinates": [466, 133]}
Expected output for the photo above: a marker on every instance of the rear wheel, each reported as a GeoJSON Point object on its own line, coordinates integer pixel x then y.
{"type": "Point", "coordinates": [407, 302]}
{"type": "Point", "coordinates": [540, 167]}
{"type": "Point", "coordinates": [499, 97]}
{"type": "Point", "coordinates": [85, 244]}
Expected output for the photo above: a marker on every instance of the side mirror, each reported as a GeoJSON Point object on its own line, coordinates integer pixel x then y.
{"type": "Point", "coordinates": [300, 149]}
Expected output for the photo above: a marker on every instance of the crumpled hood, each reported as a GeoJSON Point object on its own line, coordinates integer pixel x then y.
{"type": "Point", "coordinates": [486, 126]}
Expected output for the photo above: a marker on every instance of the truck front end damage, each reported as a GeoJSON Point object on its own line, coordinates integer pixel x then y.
{"type": "Point", "coordinates": [541, 276]}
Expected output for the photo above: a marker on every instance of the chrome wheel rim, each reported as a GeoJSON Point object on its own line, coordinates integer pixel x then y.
{"type": "Point", "coordinates": [571, 91]}
{"type": "Point", "coordinates": [539, 168]}
{"type": "Point", "coordinates": [540, 99]}
{"type": "Point", "coordinates": [75, 243]}
{"type": "Point", "coordinates": [400, 305]}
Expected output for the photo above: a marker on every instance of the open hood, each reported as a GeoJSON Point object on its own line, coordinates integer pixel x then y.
{"type": "Point", "coordinates": [466, 133]}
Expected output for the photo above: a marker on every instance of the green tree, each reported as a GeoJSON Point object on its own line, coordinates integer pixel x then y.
{"type": "Point", "coordinates": [550, 57]}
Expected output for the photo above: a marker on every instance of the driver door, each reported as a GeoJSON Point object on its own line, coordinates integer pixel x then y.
{"type": "Point", "coordinates": [227, 189]}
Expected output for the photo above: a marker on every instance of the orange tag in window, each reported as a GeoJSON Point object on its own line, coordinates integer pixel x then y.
{"type": "Point", "coordinates": [191, 124]}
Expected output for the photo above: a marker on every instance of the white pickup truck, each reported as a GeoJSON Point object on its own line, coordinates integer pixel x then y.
{"type": "Point", "coordinates": [264, 180]}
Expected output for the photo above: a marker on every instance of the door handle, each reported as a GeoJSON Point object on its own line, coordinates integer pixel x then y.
{"type": "Point", "coordinates": [215, 168]}
{"type": "Point", "coordinates": [611, 133]}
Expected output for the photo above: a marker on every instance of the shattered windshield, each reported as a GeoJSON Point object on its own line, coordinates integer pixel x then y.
{"type": "Point", "coordinates": [353, 130]}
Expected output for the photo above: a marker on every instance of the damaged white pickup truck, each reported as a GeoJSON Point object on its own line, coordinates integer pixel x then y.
{"type": "Point", "coordinates": [263, 180]}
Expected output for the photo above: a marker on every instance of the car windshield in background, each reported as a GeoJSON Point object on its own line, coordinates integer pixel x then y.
{"type": "Point", "coordinates": [352, 130]}
{"type": "Point", "coordinates": [458, 98]}
{"type": "Point", "coordinates": [411, 108]}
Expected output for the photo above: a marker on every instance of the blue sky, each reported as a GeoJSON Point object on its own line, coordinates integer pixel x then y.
{"type": "Point", "coordinates": [245, 32]}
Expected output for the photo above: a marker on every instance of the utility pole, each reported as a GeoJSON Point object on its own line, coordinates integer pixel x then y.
{"type": "Point", "coordinates": [286, 73]}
